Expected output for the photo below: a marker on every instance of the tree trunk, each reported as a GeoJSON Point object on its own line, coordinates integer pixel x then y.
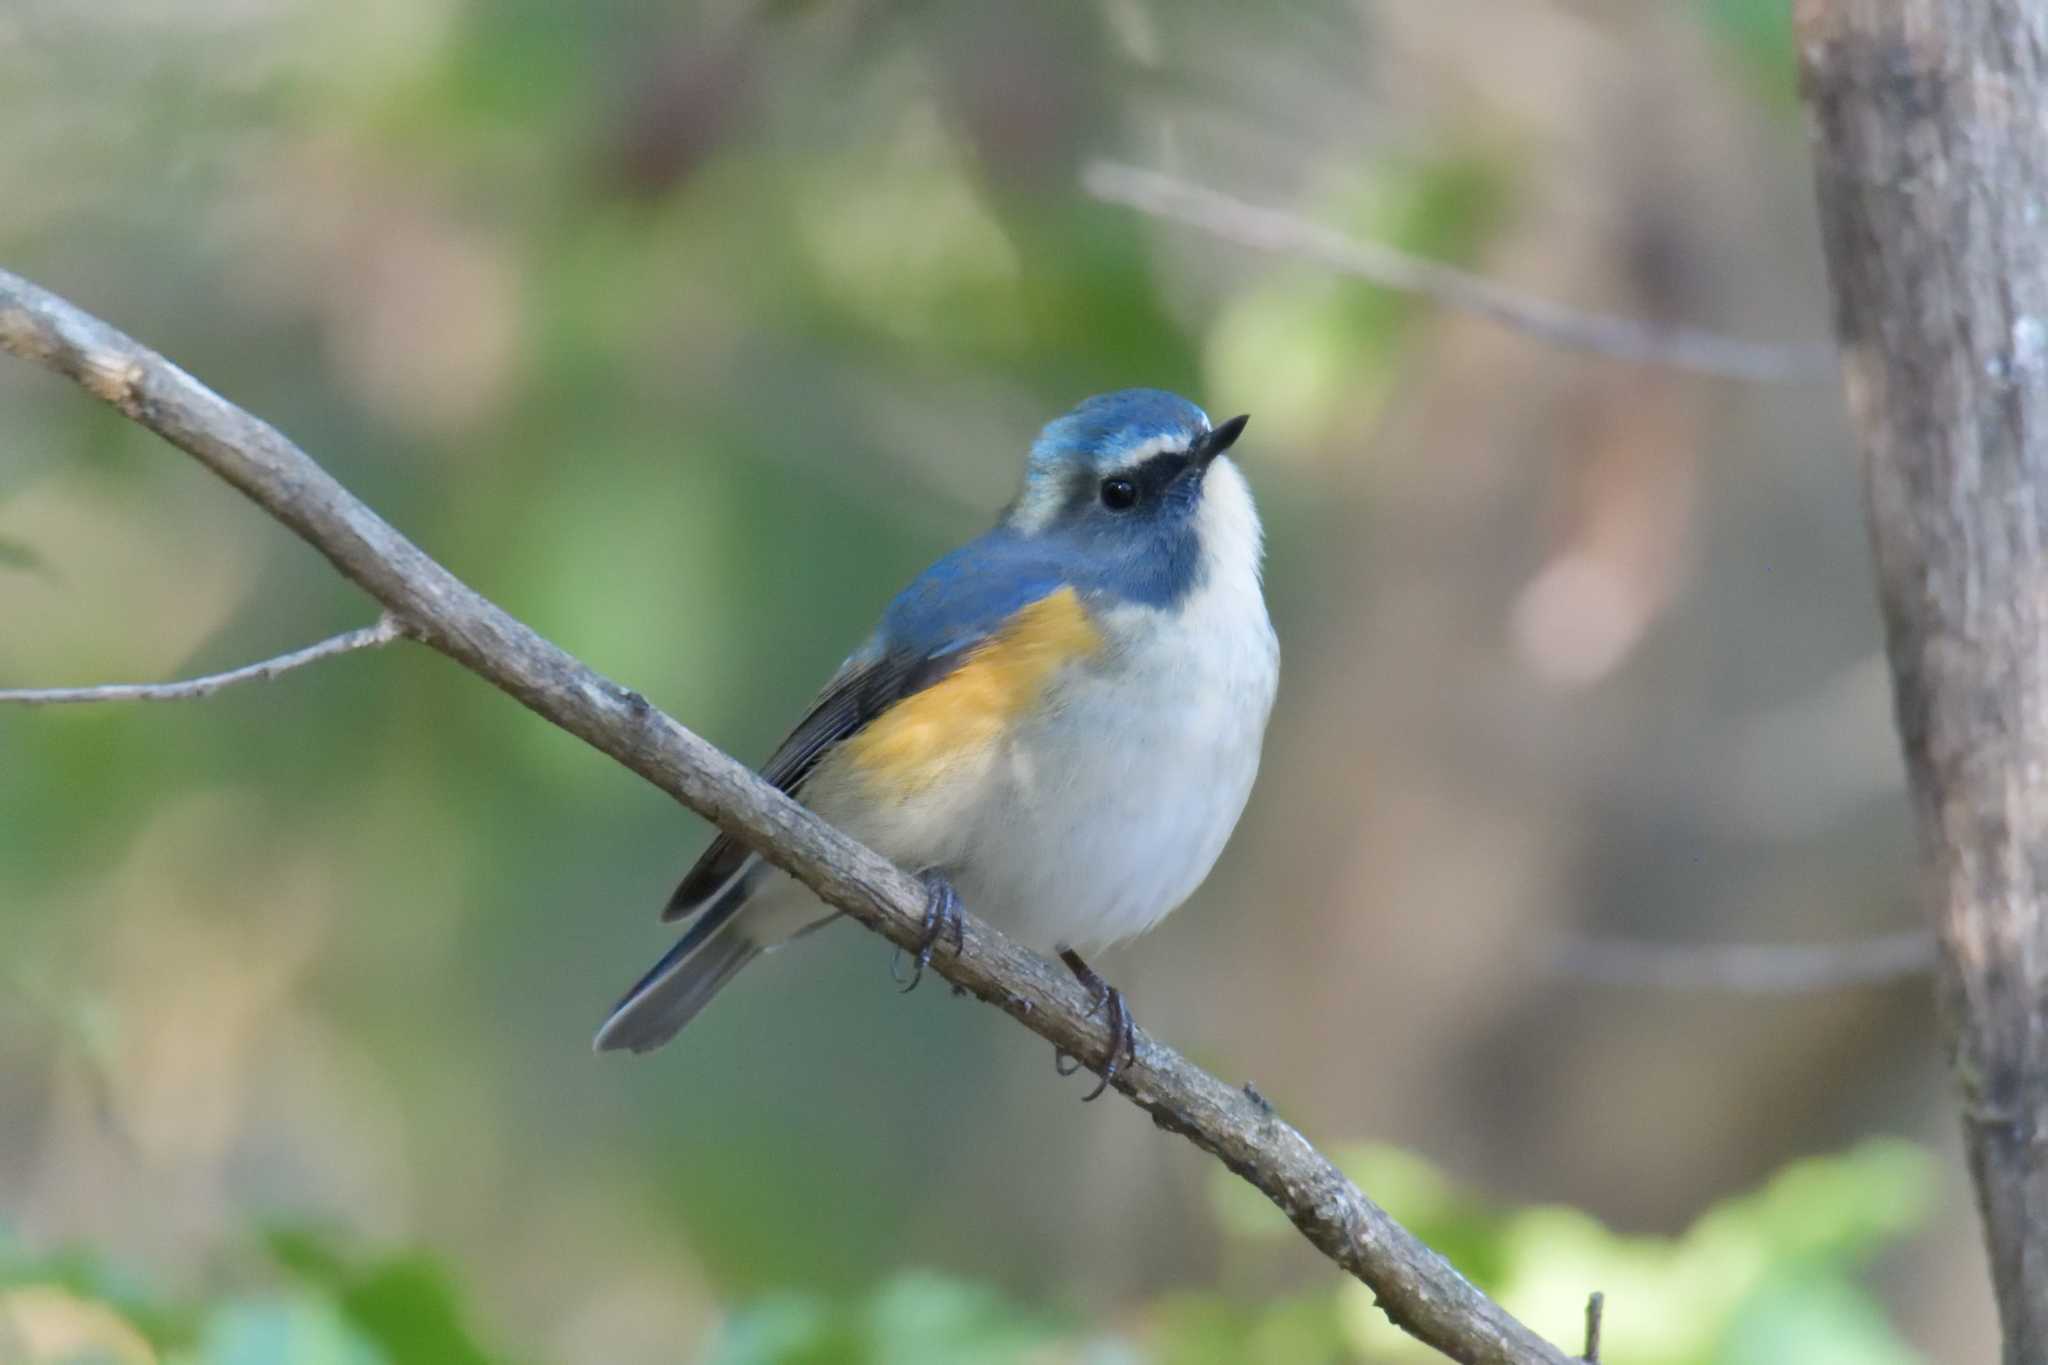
{"type": "Point", "coordinates": [1930, 130]}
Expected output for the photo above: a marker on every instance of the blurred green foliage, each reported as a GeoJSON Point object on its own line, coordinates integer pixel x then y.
{"type": "Point", "coordinates": [1773, 1275]}
{"type": "Point", "coordinates": [912, 1319]}
{"type": "Point", "coordinates": [300, 1299]}
{"type": "Point", "coordinates": [403, 1306]}
{"type": "Point", "coordinates": [1762, 1276]}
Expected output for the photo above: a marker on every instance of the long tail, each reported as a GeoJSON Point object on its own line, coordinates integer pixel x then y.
{"type": "Point", "coordinates": [758, 911]}
{"type": "Point", "coordinates": [707, 956]}
{"type": "Point", "coordinates": [681, 984]}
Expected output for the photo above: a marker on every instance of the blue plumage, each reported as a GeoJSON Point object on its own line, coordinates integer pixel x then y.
{"type": "Point", "coordinates": [970, 592]}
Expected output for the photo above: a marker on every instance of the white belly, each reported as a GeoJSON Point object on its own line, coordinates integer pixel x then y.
{"type": "Point", "coordinates": [1106, 815]}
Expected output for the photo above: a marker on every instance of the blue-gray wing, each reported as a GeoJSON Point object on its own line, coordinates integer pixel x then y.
{"type": "Point", "coordinates": [930, 627]}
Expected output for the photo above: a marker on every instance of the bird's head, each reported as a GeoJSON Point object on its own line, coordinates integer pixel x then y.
{"type": "Point", "coordinates": [1131, 479]}
{"type": "Point", "coordinates": [1120, 462]}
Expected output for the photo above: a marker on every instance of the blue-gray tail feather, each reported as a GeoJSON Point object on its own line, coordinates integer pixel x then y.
{"type": "Point", "coordinates": [670, 995]}
{"type": "Point", "coordinates": [707, 956]}
{"type": "Point", "coordinates": [683, 982]}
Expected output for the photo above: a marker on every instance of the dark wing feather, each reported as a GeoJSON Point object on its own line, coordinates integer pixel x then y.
{"type": "Point", "coordinates": [860, 692]}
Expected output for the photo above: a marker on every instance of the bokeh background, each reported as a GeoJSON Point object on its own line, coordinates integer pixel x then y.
{"type": "Point", "coordinates": [689, 333]}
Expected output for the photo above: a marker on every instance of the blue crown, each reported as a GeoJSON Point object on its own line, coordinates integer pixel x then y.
{"type": "Point", "coordinates": [1108, 426]}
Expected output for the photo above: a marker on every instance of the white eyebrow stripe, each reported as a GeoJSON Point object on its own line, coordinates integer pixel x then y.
{"type": "Point", "coordinates": [1156, 445]}
{"type": "Point", "coordinates": [1042, 497]}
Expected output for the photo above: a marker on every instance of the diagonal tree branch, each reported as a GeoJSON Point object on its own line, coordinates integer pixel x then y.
{"type": "Point", "coordinates": [1265, 229]}
{"type": "Point", "coordinates": [383, 632]}
{"type": "Point", "coordinates": [1416, 1288]}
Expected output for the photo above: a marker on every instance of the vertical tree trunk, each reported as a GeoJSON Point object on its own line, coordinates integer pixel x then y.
{"type": "Point", "coordinates": [1930, 129]}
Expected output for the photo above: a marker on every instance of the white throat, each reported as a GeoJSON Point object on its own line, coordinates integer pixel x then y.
{"type": "Point", "coordinates": [1227, 528]}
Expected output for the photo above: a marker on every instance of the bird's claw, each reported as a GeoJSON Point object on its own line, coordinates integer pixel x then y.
{"type": "Point", "coordinates": [941, 920]}
{"type": "Point", "coordinates": [1123, 1041]}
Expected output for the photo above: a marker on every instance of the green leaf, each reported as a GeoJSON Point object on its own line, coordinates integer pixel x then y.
{"type": "Point", "coordinates": [1815, 1320]}
{"type": "Point", "coordinates": [404, 1304]}
{"type": "Point", "coordinates": [924, 1317]}
{"type": "Point", "coordinates": [780, 1328]}
{"type": "Point", "coordinates": [913, 1319]}
{"type": "Point", "coordinates": [1839, 1207]}
{"type": "Point", "coordinates": [299, 1331]}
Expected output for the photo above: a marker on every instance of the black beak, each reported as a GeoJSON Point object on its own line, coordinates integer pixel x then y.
{"type": "Point", "coordinates": [1217, 441]}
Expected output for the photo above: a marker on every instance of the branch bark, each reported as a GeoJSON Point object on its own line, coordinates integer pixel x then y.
{"type": "Point", "coordinates": [1415, 1287]}
{"type": "Point", "coordinates": [1932, 169]}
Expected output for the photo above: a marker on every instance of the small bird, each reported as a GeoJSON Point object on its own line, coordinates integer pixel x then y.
{"type": "Point", "coordinates": [1057, 724]}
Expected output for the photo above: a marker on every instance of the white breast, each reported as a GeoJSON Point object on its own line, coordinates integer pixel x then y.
{"type": "Point", "coordinates": [1107, 813]}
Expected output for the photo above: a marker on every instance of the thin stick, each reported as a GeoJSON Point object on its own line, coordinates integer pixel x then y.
{"type": "Point", "coordinates": [1414, 1286]}
{"type": "Point", "coordinates": [1596, 1305]}
{"type": "Point", "coordinates": [1750, 968]}
{"type": "Point", "coordinates": [1265, 229]}
{"type": "Point", "coordinates": [375, 636]}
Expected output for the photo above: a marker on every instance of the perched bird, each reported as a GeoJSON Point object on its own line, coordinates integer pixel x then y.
{"type": "Point", "coordinates": [1057, 724]}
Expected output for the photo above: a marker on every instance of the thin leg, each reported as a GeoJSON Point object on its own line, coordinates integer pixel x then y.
{"type": "Point", "coordinates": [941, 920]}
{"type": "Point", "coordinates": [1098, 994]}
{"type": "Point", "coordinates": [1123, 1041]}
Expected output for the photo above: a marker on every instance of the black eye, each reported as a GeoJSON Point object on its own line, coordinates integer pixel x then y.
{"type": "Point", "coordinates": [1119, 495]}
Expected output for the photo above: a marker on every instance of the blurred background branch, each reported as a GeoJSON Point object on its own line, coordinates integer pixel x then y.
{"type": "Point", "coordinates": [1417, 1289]}
{"type": "Point", "coordinates": [1266, 229]}
{"type": "Point", "coordinates": [1747, 968]}
{"type": "Point", "coordinates": [374, 636]}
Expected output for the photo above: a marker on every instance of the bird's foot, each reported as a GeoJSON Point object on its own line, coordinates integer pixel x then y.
{"type": "Point", "coordinates": [941, 920]}
{"type": "Point", "coordinates": [1123, 1042]}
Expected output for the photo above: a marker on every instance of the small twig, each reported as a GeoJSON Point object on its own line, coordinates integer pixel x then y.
{"type": "Point", "coordinates": [375, 636]}
{"type": "Point", "coordinates": [1749, 968]}
{"type": "Point", "coordinates": [1264, 229]}
{"type": "Point", "coordinates": [1596, 1304]}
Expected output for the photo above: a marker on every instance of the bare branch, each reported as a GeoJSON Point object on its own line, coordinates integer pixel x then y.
{"type": "Point", "coordinates": [1596, 1306]}
{"type": "Point", "coordinates": [1749, 968]}
{"type": "Point", "coordinates": [375, 636]}
{"type": "Point", "coordinates": [1416, 1288]}
{"type": "Point", "coordinates": [1264, 229]}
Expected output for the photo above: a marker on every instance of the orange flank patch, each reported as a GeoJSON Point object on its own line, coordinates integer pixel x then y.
{"type": "Point", "coordinates": [917, 741]}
